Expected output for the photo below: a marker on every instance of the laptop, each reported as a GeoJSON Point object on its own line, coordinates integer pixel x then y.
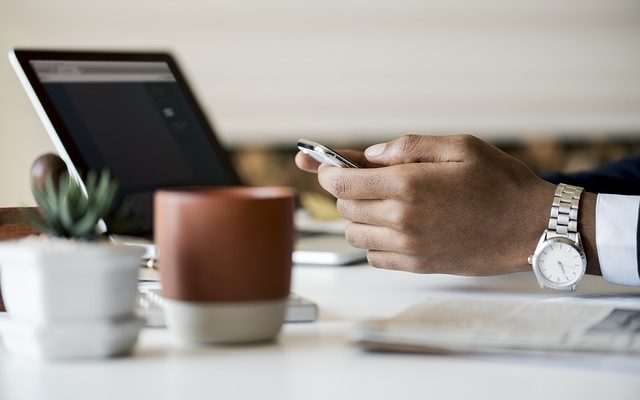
{"type": "Point", "coordinates": [134, 113]}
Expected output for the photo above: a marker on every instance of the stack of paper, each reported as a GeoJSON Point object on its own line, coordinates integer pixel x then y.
{"type": "Point", "coordinates": [496, 325]}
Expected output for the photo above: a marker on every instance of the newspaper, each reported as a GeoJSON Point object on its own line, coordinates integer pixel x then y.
{"type": "Point", "coordinates": [498, 325]}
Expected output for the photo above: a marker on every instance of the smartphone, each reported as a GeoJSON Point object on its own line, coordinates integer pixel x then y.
{"type": "Point", "coordinates": [324, 154]}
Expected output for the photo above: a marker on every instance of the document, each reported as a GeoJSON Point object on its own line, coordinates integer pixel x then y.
{"type": "Point", "coordinates": [499, 325]}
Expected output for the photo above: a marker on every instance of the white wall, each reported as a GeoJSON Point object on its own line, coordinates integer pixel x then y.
{"type": "Point", "coordinates": [338, 70]}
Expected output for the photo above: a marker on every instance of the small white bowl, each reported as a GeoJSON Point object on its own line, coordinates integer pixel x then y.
{"type": "Point", "coordinates": [69, 340]}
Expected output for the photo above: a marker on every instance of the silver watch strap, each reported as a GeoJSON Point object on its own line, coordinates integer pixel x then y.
{"type": "Point", "coordinates": [564, 212]}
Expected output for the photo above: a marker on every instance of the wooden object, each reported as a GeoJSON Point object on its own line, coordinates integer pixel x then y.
{"type": "Point", "coordinates": [14, 225]}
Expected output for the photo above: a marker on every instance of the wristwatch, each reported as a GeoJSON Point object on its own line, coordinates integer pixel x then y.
{"type": "Point", "coordinates": [559, 261]}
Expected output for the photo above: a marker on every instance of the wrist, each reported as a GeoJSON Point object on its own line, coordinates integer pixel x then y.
{"type": "Point", "coordinates": [532, 219]}
{"type": "Point", "coordinates": [536, 220]}
{"type": "Point", "coordinates": [559, 261]}
{"type": "Point", "coordinates": [587, 229]}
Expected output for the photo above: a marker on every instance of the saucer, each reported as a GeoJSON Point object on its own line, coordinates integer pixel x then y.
{"type": "Point", "coordinates": [69, 339]}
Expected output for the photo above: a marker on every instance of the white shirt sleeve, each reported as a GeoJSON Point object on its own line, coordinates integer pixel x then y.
{"type": "Point", "coordinates": [617, 238]}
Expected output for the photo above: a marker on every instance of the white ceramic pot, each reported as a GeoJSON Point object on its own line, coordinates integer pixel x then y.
{"type": "Point", "coordinates": [48, 281]}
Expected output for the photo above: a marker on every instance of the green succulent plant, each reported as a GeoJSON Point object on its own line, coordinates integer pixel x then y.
{"type": "Point", "coordinates": [66, 212]}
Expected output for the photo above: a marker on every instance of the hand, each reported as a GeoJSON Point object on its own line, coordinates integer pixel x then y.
{"type": "Point", "coordinates": [442, 205]}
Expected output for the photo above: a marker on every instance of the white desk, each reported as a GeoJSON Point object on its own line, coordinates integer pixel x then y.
{"type": "Point", "coordinates": [318, 360]}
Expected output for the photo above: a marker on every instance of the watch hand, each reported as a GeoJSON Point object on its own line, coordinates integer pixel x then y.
{"type": "Point", "coordinates": [564, 272]}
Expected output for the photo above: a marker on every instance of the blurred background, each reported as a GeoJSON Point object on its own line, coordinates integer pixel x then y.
{"type": "Point", "coordinates": [554, 82]}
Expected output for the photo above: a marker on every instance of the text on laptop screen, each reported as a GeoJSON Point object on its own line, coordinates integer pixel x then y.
{"type": "Point", "coordinates": [135, 119]}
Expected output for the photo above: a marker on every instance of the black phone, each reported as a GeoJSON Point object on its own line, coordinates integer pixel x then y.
{"type": "Point", "coordinates": [324, 154]}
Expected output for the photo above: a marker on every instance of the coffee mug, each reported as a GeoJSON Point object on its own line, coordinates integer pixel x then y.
{"type": "Point", "coordinates": [224, 255]}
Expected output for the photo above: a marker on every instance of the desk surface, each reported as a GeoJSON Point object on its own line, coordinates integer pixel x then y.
{"type": "Point", "coordinates": [318, 360]}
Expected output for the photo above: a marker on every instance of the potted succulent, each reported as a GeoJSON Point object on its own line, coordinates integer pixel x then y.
{"type": "Point", "coordinates": [70, 292]}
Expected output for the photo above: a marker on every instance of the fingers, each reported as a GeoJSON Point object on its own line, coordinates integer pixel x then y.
{"type": "Point", "coordinates": [422, 148]}
{"type": "Point", "coordinates": [362, 184]}
{"type": "Point", "coordinates": [408, 149]}
{"type": "Point", "coordinates": [371, 212]}
{"type": "Point", "coordinates": [372, 237]}
{"type": "Point", "coordinates": [306, 163]}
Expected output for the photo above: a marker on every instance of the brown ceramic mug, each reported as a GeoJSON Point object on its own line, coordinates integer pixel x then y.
{"type": "Point", "coordinates": [225, 260]}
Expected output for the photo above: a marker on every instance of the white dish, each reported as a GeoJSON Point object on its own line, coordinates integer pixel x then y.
{"type": "Point", "coordinates": [69, 340]}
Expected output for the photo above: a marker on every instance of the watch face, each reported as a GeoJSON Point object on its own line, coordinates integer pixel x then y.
{"type": "Point", "coordinates": [561, 264]}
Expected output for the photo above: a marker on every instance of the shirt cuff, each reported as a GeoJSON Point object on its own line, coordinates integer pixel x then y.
{"type": "Point", "coordinates": [617, 238]}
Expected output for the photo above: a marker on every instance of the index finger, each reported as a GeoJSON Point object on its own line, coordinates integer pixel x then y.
{"type": "Point", "coordinates": [361, 184]}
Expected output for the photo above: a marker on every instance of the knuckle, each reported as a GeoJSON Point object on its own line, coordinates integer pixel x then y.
{"type": "Point", "coordinates": [408, 187]}
{"type": "Point", "coordinates": [369, 243]}
{"type": "Point", "coordinates": [358, 238]}
{"type": "Point", "coordinates": [339, 186]}
{"type": "Point", "coordinates": [343, 208]}
{"type": "Point", "coordinates": [404, 184]}
{"type": "Point", "coordinates": [373, 259]}
{"type": "Point", "coordinates": [416, 265]}
{"type": "Point", "coordinates": [351, 235]}
{"type": "Point", "coordinates": [408, 244]}
{"type": "Point", "coordinates": [379, 260]}
{"type": "Point", "coordinates": [377, 184]}
{"type": "Point", "coordinates": [467, 141]}
{"type": "Point", "coordinates": [401, 219]}
{"type": "Point", "coordinates": [396, 218]}
{"type": "Point", "coordinates": [409, 142]}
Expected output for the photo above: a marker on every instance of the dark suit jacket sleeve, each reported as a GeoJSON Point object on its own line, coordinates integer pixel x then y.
{"type": "Point", "coordinates": [619, 177]}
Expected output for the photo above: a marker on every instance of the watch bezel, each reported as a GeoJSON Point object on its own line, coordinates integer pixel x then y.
{"type": "Point", "coordinates": [546, 242]}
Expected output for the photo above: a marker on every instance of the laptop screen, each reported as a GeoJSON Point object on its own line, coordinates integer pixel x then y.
{"type": "Point", "coordinates": [134, 118]}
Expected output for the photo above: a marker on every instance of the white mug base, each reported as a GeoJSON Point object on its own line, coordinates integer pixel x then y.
{"type": "Point", "coordinates": [225, 322]}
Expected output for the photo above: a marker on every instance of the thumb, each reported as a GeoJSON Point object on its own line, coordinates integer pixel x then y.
{"type": "Point", "coordinates": [419, 148]}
